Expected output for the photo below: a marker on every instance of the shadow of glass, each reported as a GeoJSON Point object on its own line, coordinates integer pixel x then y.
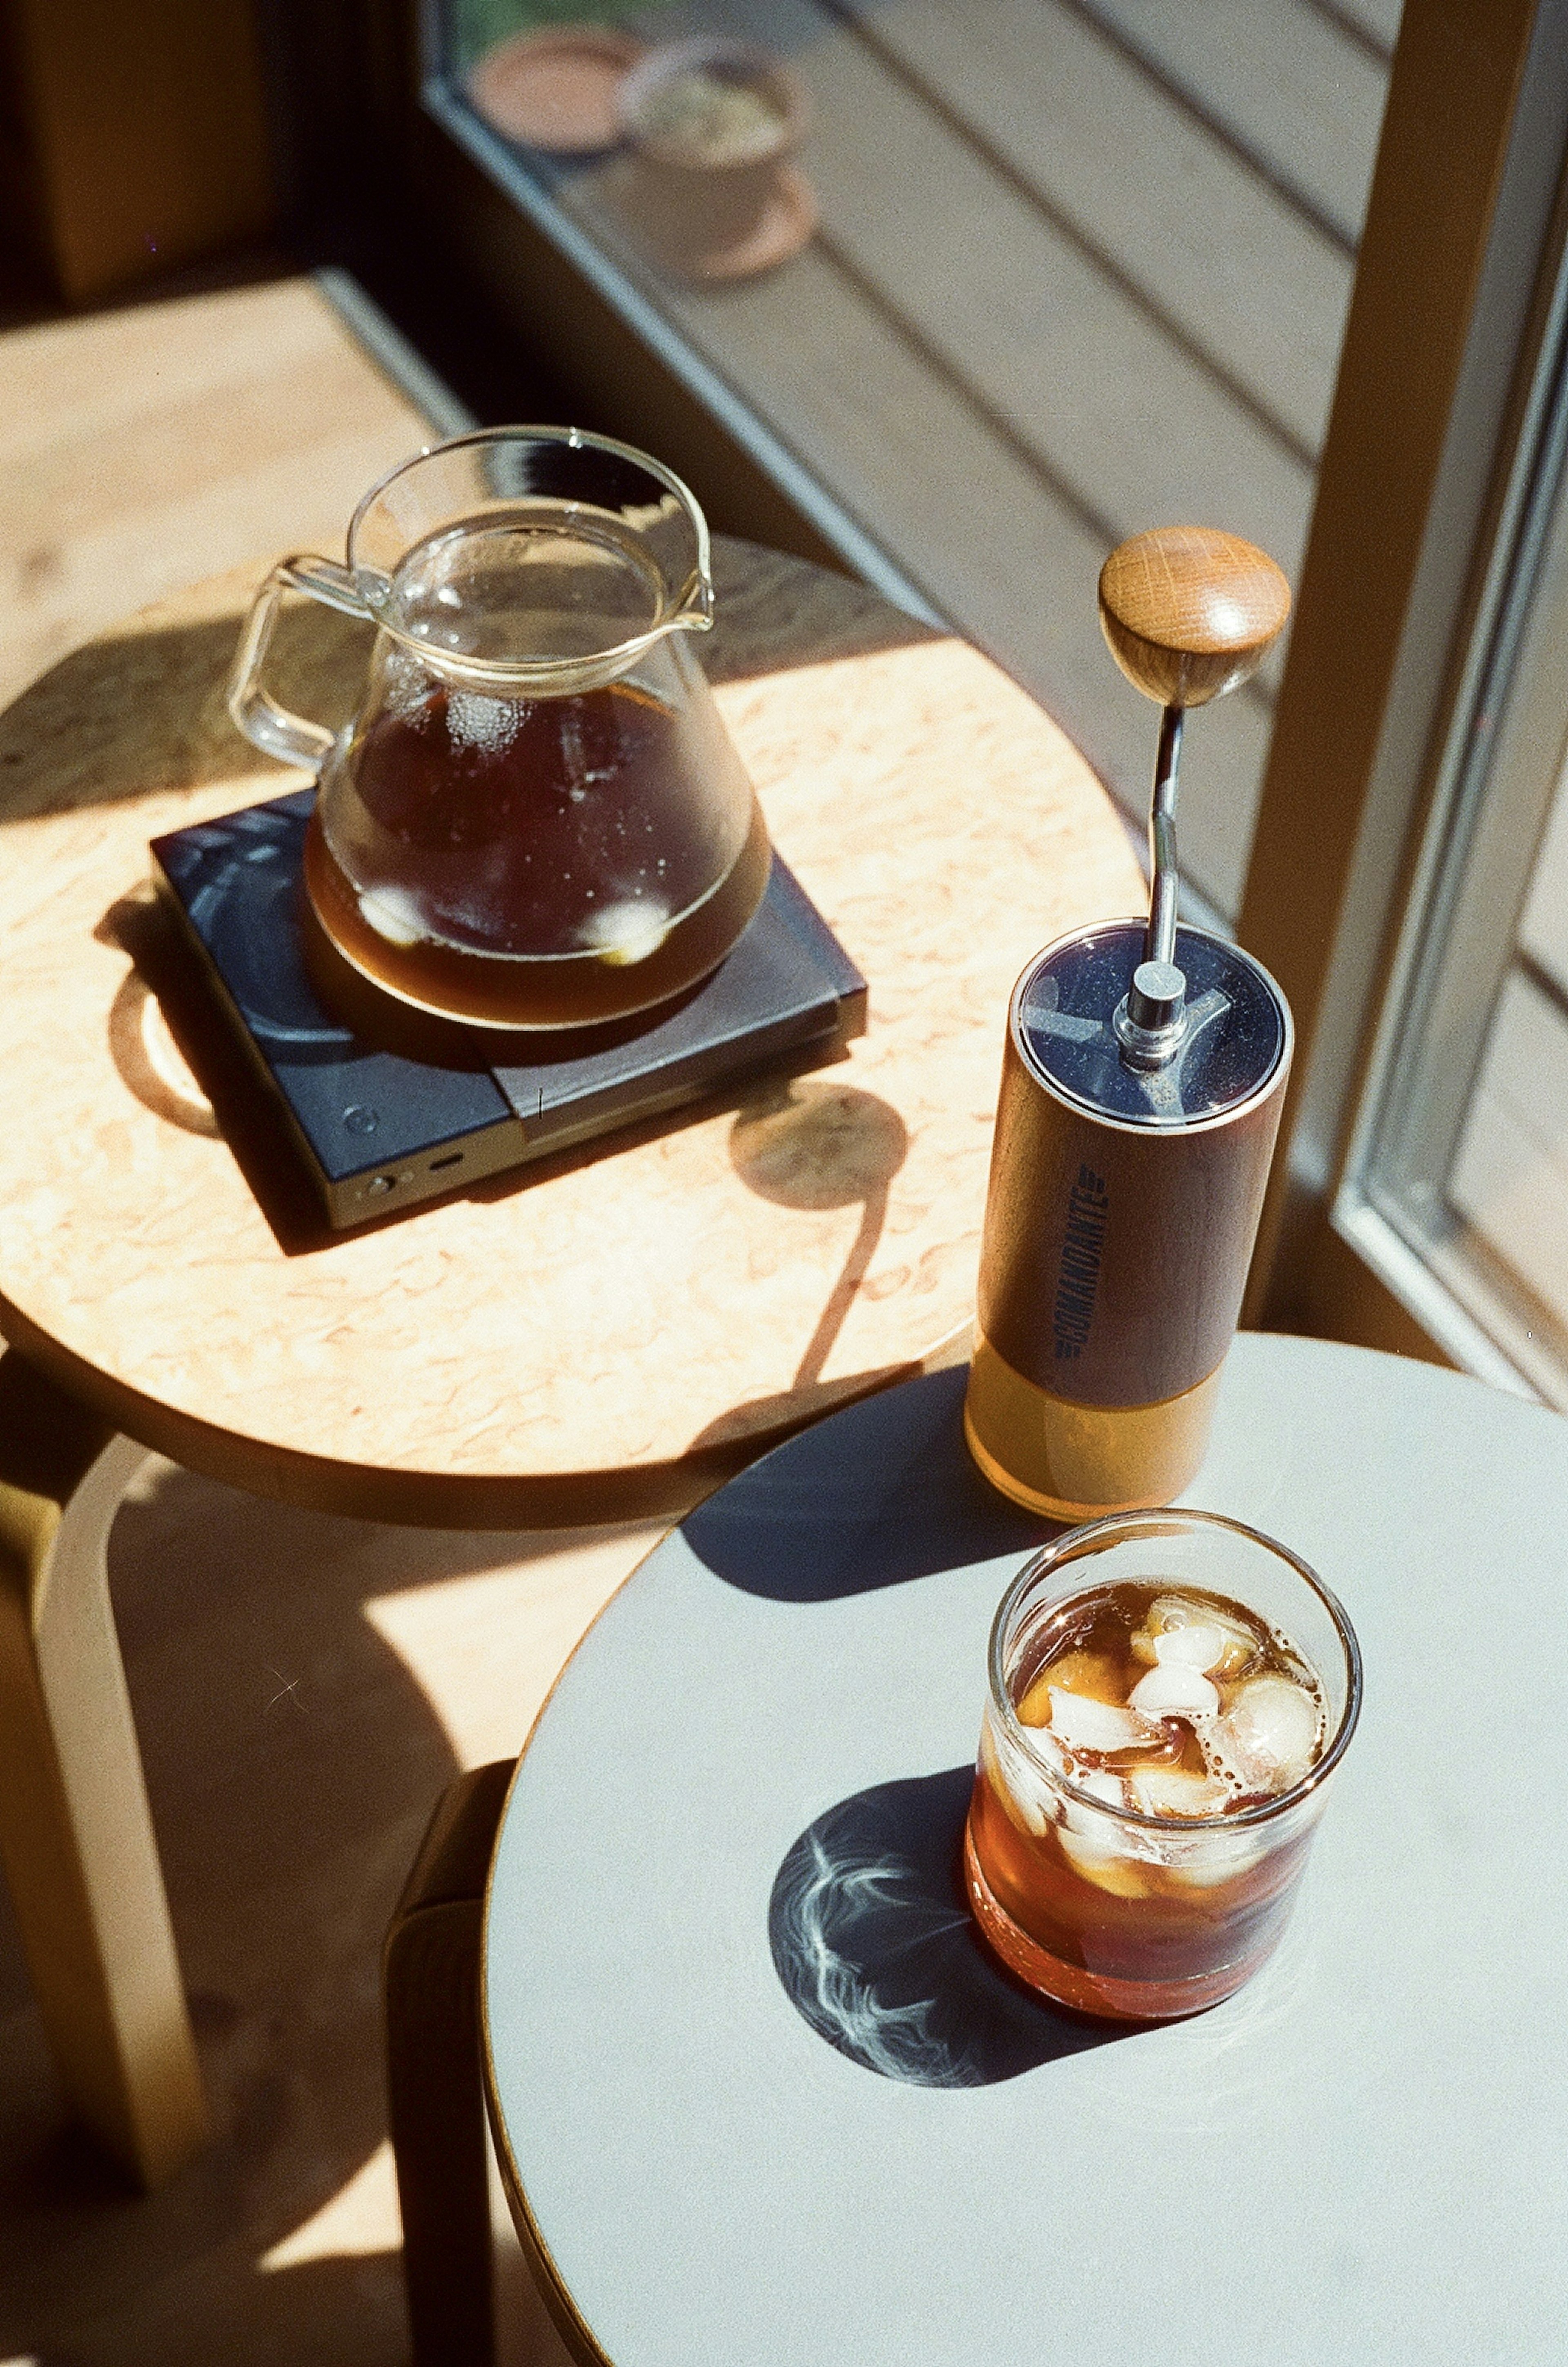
{"type": "Point", "coordinates": [887, 1491]}
{"type": "Point", "coordinates": [873, 1941]}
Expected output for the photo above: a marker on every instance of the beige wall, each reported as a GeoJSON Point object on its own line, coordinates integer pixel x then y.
{"type": "Point", "coordinates": [136, 135]}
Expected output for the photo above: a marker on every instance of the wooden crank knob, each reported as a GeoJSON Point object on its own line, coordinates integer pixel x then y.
{"type": "Point", "coordinates": [1190, 613]}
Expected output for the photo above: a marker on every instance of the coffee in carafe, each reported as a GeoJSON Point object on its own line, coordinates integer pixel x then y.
{"type": "Point", "coordinates": [537, 818]}
{"type": "Point", "coordinates": [525, 891]}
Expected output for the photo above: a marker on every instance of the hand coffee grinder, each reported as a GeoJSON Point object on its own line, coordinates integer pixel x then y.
{"type": "Point", "coordinates": [1142, 1085]}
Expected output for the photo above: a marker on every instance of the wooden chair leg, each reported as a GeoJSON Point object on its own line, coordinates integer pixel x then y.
{"type": "Point", "coordinates": [75, 1832]}
{"type": "Point", "coordinates": [434, 2078]}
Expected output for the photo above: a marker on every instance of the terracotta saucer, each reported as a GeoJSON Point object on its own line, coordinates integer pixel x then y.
{"type": "Point", "coordinates": [786, 220]}
{"type": "Point", "coordinates": [556, 89]}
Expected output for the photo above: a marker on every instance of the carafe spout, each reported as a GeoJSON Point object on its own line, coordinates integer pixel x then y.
{"type": "Point", "coordinates": [693, 610]}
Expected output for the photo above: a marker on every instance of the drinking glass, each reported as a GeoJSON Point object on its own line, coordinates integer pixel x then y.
{"type": "Point", "coordinates": [1103, 1907]}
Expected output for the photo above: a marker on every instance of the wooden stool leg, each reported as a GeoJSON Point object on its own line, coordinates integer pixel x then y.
{"type": "Point", "coordinates": [75, 1832]}
{"type": "Point", "coordinates": [434, 2078]}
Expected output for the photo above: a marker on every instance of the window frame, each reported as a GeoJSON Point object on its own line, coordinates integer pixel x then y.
{"type": "Point", "coordinates": [1410, 581]}
{"type": "Point", "coordinates": [1502, 771]}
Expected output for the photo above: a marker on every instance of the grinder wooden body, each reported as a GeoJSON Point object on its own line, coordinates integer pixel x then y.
{"type": "Point", "coordinates": [1145, 1074]}
{"type": "Point", "coordinates": [1117, 1243]}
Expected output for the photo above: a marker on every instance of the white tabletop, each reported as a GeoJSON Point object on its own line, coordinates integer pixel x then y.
{"type": "Point", "coordinates": [766, 2099]}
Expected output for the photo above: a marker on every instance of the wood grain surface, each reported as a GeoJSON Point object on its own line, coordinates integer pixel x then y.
{"type": "Point", "coordinates": [1190, 613]}
{"type": "Point", "coordinates": [610, 1332]}
{"type": "Point", "coordinates": [144, 448]}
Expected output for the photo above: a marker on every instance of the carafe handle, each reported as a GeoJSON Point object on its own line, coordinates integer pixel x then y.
{"type": "Point", "coordinates": [266, 725]}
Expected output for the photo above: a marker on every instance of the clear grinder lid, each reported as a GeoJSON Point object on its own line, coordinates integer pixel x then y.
{"type": "Point", "coordinates": [1233, 1032]}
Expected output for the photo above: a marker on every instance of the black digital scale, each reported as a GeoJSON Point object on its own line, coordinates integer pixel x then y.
{"type": "Point", "coordinates": [387, 1106]}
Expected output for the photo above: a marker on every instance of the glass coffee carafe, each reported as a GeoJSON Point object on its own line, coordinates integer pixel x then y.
{"type": "Point", "coordinates": [537, 818]}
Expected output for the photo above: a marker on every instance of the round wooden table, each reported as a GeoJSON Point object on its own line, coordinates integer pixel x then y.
{"type": "Point", "coordinates": [605, 1335]}
{"type": "Point", "coordinates": [764, 2098]}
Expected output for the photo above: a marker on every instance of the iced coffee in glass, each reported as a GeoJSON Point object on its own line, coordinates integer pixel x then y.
{"type": "Point", "coordinates": [1169, 1693]}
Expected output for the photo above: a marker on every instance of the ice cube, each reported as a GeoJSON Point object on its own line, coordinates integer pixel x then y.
{"type": "Point", "coordinates": [1176, 1627]}
{"type": "Point", "coordinates": [1095, 1846]}
{"type": "Point", "coordinates": [393, 914]}
{"type": "Point", "coordinates": [1094, 1673]}
{"type": "Point", "coordinates": [1034, 1709]}
{"type": "Point", "coordinates": [1212, 1855]}
{"type": "Point", "coordinates": [626, 933]}
{"type": "Point", "coordinates": [1177, 1792]}
{"type": "Point", "coordinates": [1098, 1727]}
{"type": "Point", "coordinates": [1201, 1646]}
{"type": "Point", "coordinates": [1174, 1690]}
{"type": "Point", "coordinates": [1268, 1737]}
{"type": "Point", "coordinates": [1195, 1850]}
{"type": "Point", "coordinates": [1045, 1745]}
{"type": "Point", "coordinates": [1104, 1867]}
{"type": "Point", "coordinates": [1021, 1790]}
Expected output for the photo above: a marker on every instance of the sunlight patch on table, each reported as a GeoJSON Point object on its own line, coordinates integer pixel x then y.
{"type": "Point", "coordinates": [485, 1650]}
{"type": "Point", "coordinates": [362, 2217]}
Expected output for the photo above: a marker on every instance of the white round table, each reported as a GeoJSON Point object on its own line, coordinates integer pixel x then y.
{"type": "Point", "coordinates": [766, 2102]}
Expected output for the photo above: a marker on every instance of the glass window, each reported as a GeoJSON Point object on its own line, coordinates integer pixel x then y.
{"type": "Point", "coordinates": [985, 288]}
{"type": "Point", "coordinates": [1465, 1158]}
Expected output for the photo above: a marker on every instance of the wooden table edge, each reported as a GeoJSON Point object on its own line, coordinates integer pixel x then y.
{"type": "Point", "coordinates": [409, 1497]}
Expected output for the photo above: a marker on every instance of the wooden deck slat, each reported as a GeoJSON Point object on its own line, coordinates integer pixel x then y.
{"type": "Point", "coordinates": [1294, 90]}
{"type": "Point", "coordinates": [1378, 19]}
{"type": "Point", "coordinates": [969, 520]}
{"type": "Point", "coordinates": [1250, 282]}
{"type": "Point", "coordinates": [1049, 307]}
{"type": "Point", "coordinates": [1019, 314]}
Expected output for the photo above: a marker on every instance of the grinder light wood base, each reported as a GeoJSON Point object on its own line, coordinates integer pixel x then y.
{"type": "Point", "coordinates": [1082, 1461]}
{"type": "Point", "coordinates": [1143, 1077]}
